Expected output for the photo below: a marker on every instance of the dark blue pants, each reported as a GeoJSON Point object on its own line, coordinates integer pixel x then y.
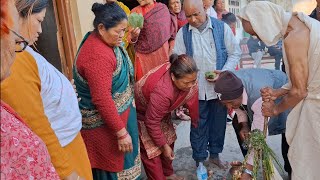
{"type": "Point", "coordinates": [210, 133]}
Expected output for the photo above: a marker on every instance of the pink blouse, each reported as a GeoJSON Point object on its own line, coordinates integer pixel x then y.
{"type": "Point", "coordinates": [23, 154]}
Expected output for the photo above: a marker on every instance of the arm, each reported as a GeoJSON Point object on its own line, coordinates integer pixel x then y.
{"type": "Point", "coordinates": [30, 107]}
{"type": "Point", "coordinates": [233, 49]}
{"type": "Point", "coordinates": [98, 73]}
{"type": "Point", "coordinates": [179, 46]}
{"type": "Point", "coordinates": [268, 93]}
{"type": "Point", "coordinates": [243, 123]}
{"type": "Point", "coordinates": [298, 66]}
{"type": "Point", "coordinates": [133, 33]}
{"type": "Point", "coordinates": [158, 107]}
{"type": "Point", "coordinates": [257, 123]}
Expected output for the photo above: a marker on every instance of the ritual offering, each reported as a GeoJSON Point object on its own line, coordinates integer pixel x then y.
{"type": "Point", "coordinates": [210, 75]}
{"type": "Point", "coordinates": [262, 154]}
{"type": "Point", "coordinates": [135, 20]}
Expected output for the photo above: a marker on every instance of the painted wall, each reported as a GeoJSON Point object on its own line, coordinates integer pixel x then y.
{"type": "Point", "coordinates": [82, 17]}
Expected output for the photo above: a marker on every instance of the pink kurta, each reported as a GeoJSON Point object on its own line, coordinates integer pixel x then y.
{"type": "Point", "coordinates": [23, 154]}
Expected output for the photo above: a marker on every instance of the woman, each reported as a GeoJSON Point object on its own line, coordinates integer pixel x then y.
{"type": "Point", "coordinates": [127, 11]}
{"type": "Point", "coordinates": [158, 93]}
{"type": "Point", "coordinates": [301, 40]}
{"type": "Point", "coordinates": [45, 98]}
{"type": "Point", "coordinates": [151, 44]}
{"type": "Point", "coordinates": [103, 75]}
{"type": "Point", "coordinates": [175, 9]}
{"type": "Point", "coordinates": [220, 8]}
{"type": "Point", "coordinates": [23, 154]}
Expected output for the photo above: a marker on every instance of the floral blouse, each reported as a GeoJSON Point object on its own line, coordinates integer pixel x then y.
{"type": "Point", "coordinates": [23, 154]}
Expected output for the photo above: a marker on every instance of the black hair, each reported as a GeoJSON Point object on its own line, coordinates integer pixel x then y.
{"type": "Point", "coordinates": [109, 14]}
{"type": "Point", "coordinates": [182, 65]}
{"type": "Point", "coordinates": [215, 3]}
{"type": "Point", "coordinates": [229, 18]}
{"type": "Point", "coordinates": [27, 7]}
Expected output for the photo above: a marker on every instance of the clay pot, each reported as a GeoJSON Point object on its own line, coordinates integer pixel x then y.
{"type": "Point", "coordinates": [235, 167]}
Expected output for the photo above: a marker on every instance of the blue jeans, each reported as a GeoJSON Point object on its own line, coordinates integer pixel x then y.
{"type": "Point", "coordinates": [210, 133]}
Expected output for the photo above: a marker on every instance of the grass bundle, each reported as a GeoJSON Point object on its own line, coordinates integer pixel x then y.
{"type": "Point", "coordinates": [262, 153]}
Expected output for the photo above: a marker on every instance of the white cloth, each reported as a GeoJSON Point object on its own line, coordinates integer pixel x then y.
{"type": "Point", "coordinates": [303, 122]}
{"type": "Point", "coordinates": [204, 53]}
{"type": "Point", "coordinates": [258, 12]}
{"type": "Point", "coordinates": [212, 13]}
{"type": "Point", "coordinates": [257, 57]}
{"type": "Point", "coordinates": [59, 100]}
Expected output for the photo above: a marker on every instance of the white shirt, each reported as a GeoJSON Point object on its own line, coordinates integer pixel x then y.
{"type": "Point", "coordinates": [204, 53]}
{"type": "Point", "coordinates": [212, 13]}
{"type": "Point", "coordinates": [59, 100]}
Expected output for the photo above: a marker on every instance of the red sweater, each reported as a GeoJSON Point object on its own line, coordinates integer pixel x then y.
{"type": "Point", "coordinates": [96, 62]}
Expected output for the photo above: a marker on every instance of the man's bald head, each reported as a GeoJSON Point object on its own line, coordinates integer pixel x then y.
{"type": "Point", "coordinates": [194, 12]}
{"type": "Point", "coordinates": [192, 3]}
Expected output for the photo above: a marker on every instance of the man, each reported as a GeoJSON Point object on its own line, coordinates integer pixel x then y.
{"type": "Point", "coordinates": [301, 55]}
{"type": "Point", "coordinates": [240, 90]}
{"type": "Point", "coordinates": [256, 50]}
{"type": "Point", "coordinates": [212, 44]}
{"type": "Point", "coordinates": [315, 14]}
{"type": "Point", "coordinates": [174, 7]}
{"type": "Point", "coordinates": [276, 51]}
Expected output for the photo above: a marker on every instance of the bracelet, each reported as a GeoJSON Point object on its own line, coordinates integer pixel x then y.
{"type": "Point", "coordinates": [123, 136]}
{"type": "Point", "coordinates": [248, 172]}
{"type": "Point", "coordinates": [134, 41]}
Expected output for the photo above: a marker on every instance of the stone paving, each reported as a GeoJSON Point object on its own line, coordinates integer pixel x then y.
{"type": "Point", "coordinates": [185, 166]}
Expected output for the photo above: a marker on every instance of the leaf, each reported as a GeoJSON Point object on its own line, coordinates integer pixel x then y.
{"type": "Point", "coordinates": [135, 20]}
{"type": "Point", "coordinates": [210, 75]}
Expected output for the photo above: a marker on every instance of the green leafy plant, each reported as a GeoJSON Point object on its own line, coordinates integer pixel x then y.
{"type": "Point", "coordinates": [210, 75]}
{"type": "Point", "coordinates": [136, 20]}
{"type": "Point", "coordinates": [262, 153]}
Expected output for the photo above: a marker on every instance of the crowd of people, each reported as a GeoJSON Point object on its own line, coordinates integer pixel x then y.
{"type": "Point", "coordinates": [116, 114]}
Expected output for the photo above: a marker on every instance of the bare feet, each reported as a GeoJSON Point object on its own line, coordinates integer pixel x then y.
{"type": "Point", "coordinates": [219, 163]}
{"type": "Point", "coordinates": [174, 177]}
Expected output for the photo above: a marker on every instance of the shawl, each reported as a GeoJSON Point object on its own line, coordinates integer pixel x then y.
{"type": "Point", "coordinates": [156, 29]}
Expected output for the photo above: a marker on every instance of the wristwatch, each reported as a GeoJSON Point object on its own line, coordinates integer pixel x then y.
{"type": "Point", "coordinates": [248, 172]}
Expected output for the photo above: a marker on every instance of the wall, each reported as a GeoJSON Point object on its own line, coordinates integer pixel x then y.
{"type": "Point", "coordinates": [82, 17]}
{"type": "Point", "coordinates": [306, 6]}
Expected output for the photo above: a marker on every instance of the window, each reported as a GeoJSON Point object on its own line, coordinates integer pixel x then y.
{"type": "Point", "coordinates": [234, 7]}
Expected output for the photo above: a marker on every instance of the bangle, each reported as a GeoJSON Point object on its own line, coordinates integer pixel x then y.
{"type": "Point", "coordinates": [134, 41]}
{"type": "Point", "coordinates": [248, 172]}
{"type": "Point", "coordinates": [123, 136]}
